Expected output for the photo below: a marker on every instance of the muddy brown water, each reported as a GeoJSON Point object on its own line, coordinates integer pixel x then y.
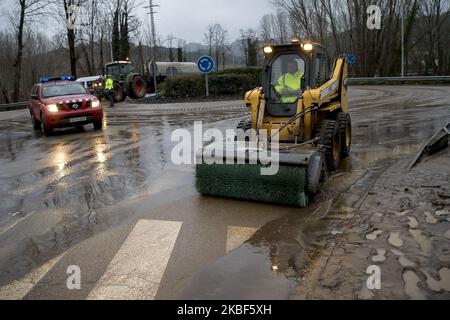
{"type": "Point", "coordinates": [77, 172]}
{"type": "Point", "coordinates": [387, 125]}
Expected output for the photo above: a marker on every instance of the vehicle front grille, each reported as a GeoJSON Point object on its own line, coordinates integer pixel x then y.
{"type": "Point", "coordinates": [70, 105]}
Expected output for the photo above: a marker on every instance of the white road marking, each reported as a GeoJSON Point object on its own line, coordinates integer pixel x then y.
{"type": "Point", "coordinates": [20, 288]}
{"type": "Point", "coordinates": [138, 267]}
{"type": "Point", "coordinates": [236, 236]}
{"type": "Point", "coordinates": [13, 224]}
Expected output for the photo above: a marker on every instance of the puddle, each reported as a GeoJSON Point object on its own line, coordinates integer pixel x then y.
{"type": "Point", "coordinates": [430, 218]}
{"type": "Point", "coordinates": [447, 234]}
{"type": "Point", "coordinates": [413, 224]}
{"type": "Point", "coordinates": [411, 288]}
{"type": "Point", "coordinates": [439, 285]}
{"type": "Point", "coordinates": [423, 241]}
{"type": "Point", "coordinates": [373, 235]}
{"type": "Point", "coordinates": [249, 273]}
{"type": "Point", "coordinates": [395, 239]}
{"type": "Point", "coordinates": [380, 257]}
{"type": "Point", "coordinates": [365, 293]}
{"type": "Point", "coordinates": [405, 262]}
{"type": "Point", "coordinates": [398, 253]}
{"type": "Point", "coordinates": [281, 251]}
{"type": "Point", "coordinates": [444, 274]}
{"type": "Point", "coordinates": [432, 283]}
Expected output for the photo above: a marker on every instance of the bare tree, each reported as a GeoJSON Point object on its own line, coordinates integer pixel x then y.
{"type": "Point", "coordinates": [209, 38]}
{"type": "Point", "coordinates": [275, 27]}
{"type": "Point", "coordinates": [249, 44]}
{"type": "Point", "coordinates": [26, 10]}
{"type": "Point", "coordinates": [7, 44]}
{"type": "Point", "coordinates": [341, 25]}
{"type": "Point", "coordinates": [216, 38]}
{"type": "Point", "coordinates": [220, 42]}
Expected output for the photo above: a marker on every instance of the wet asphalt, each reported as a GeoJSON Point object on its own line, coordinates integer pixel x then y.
{"type": "Point", "coordinates": [77, 195]}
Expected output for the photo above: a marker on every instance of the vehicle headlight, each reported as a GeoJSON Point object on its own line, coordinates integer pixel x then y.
{"type": "Point", "coordinates": [268, 50]}
{"type": "Point", "coordinates": [52, 108]}
{"type": "Point", "coordinates": [95, 104]}
{"type": "Point", "coordinates": [308, 46]}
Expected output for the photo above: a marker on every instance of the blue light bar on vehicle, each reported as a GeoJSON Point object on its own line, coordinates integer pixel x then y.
{"type": "Point", "coordinates": [62, 78]}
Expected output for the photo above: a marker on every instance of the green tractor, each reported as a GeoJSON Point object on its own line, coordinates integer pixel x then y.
{"type": "Point", "coordinates": [126, 81]}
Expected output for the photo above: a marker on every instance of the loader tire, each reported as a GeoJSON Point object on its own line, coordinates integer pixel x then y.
{"type": "Point", "coordinates": [330, 137]}
{"type": "Point", "coordinates": [345, 128]}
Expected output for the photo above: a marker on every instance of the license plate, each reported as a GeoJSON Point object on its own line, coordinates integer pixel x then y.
{"type": "Point", "coordinates": [79, 119]}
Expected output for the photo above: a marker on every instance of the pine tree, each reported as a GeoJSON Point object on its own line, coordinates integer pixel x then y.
{"type": "Point", "coordinates": [116, 35]}
{"type": "Point", "coordinates": [124, 35]}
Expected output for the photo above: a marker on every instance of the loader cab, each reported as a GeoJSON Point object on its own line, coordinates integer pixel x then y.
{"type": "Point", "coordinates": [288, 71]}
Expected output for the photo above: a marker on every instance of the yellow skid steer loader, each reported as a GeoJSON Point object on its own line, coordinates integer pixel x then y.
{"type": "Point", "coordinates": [306, 109]}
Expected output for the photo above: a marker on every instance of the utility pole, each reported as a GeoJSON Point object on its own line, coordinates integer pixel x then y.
{"type": "Point", "coordinates": [170, 39]}
{"type": "Point", "coordinates": [403, 37]}
{"type": "Point", "coordinates": [152, 13]}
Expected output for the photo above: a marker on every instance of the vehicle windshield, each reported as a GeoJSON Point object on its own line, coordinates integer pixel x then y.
{"type": "Point", "coordinates": [116, 69]}
{"type": "Point", "coordinates": [286, 78]}
{"type": "Point", "coordinates": [63, 90]}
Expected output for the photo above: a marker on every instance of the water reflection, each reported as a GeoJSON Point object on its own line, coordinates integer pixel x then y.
{"type": "Point", "coordinates": [60, 160]}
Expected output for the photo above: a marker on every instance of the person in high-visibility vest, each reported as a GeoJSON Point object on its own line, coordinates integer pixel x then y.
{"type": "Point", "coordinates": [109, 87]}
{"type": "Point", "coordinates": [289, 85]}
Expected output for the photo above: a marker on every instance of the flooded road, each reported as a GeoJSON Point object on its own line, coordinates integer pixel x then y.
{"type": "Point", "coordinates": [112, 203]}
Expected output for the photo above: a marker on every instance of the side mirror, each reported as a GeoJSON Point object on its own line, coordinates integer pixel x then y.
{"type": "Point", "coordinates": [34, 97]}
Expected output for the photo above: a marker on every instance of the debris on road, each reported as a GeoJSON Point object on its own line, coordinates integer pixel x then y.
{"type": "Point", "coordinates": [438, 142]}
{"type": "Point", "coordinates": [412, 250]}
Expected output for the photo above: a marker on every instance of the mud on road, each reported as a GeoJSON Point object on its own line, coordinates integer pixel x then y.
{"type": "Point", "coordinates": [58, 193]}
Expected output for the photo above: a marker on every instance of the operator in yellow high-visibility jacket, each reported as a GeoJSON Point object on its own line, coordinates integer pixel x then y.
{"type": "Point", "coordinates": [289, 85]}
{"type": "Point", "coordinates": [109, 88]}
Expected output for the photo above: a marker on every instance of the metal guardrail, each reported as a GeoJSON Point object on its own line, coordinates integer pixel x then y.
{"type": "Point", "coordinates": [13, 106]}
{"type": "Point", "coordinates": [400, 79]}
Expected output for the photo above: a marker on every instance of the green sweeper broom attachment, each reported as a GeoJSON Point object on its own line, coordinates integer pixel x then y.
{"type": "Point", "coordinates": [291, 175]}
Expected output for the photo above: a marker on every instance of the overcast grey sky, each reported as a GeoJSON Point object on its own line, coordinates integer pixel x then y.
{"type": "Point", "coordinates": [188, 19]}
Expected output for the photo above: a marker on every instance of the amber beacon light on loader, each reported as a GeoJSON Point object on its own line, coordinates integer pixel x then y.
{"type": "Point", "coordinates": [307, 109]}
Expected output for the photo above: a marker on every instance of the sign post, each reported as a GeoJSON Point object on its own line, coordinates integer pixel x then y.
{"type": "Point", "coordinates": [351, 58]}
{"type": "Point", "coordinates": [206, 65]}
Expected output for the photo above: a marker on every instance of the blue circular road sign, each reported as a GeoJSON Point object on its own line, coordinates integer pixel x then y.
{"type": "Point", "coordinates": [351, 58]}
{"type": "Point", "coordinates": [205, 64]}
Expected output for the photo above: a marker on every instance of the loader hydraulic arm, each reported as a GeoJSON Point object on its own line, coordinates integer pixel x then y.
{"type": "Point", "coordinates": [334, 91]}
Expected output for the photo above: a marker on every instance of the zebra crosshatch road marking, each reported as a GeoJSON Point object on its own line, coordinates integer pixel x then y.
{"type": "Point", "coordinates": [137, 269]}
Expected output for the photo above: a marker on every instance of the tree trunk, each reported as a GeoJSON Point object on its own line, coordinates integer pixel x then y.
{"type": "Point", "coordinates": [72, 52]}
{"type": "Point", "coordinates": [102, 64]}
{"type": "Point", "coordinates": [18, 63]}
{"type": "Point", "coordinates": [223, 58]}
{"type": "Point", "coordinates": [217, 59]}
{"type": "Point", "coordinates": [71, 43]}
